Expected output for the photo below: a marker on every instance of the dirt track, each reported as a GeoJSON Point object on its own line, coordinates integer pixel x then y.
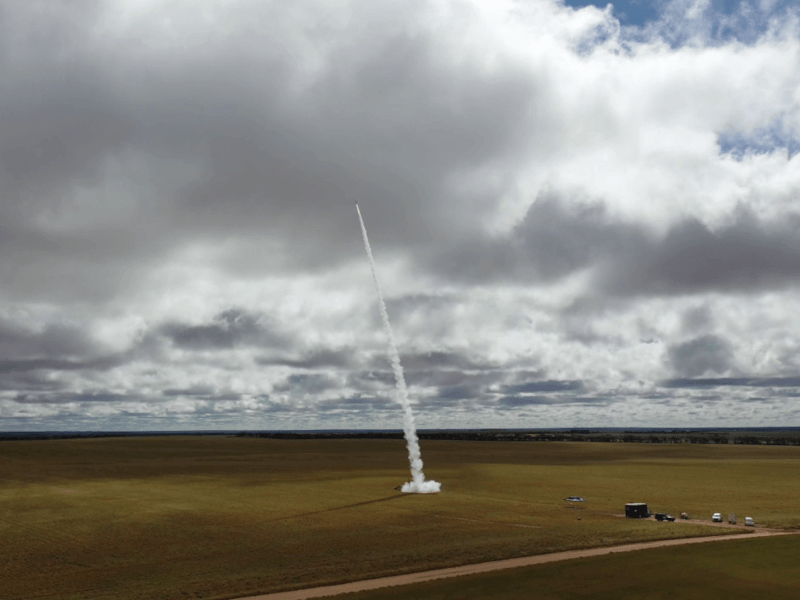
{"type": "Point", "coordinates": [705, 522]}
{"type": "Point", "coordinates": [372, 584]}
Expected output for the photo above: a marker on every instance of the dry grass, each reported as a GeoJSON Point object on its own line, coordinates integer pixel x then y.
{"type": "Point", "coordinates": [741, 570]}
{"type": "Point", "coordinates": [219, 517]}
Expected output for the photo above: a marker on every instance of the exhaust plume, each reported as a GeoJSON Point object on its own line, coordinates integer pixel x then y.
{"type": "Point", "coordinates": [417, 485]}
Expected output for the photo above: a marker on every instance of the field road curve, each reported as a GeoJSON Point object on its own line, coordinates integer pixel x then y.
{"type": "Point", "coordinates": [524, 561]}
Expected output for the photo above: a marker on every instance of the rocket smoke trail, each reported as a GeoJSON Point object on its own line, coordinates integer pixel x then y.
{"type": "Point", "coordinates": [417, 485]}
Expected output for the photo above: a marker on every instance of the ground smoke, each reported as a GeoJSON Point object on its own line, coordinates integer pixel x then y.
{"type": "Point", "coordinates": [417, 485]}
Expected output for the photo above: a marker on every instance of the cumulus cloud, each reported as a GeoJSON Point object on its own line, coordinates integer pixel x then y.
{"type": "Point", "coordinates": [230, 328]}
{"type": "Point", "coordinates": [700, 356]}
{"type": "Point", "coordinates": [566, 210]}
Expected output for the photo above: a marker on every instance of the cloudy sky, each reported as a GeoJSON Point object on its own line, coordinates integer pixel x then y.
{"type": "Point", "coordinates": [582, 215]}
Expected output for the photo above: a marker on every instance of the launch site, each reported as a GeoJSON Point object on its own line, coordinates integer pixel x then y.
{"type": "Point", "coordinates": [226, 516]}
{"type": "Point", "coordinates": [377, 299]}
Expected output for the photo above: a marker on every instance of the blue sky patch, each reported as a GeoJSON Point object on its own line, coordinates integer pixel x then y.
{"type": "Point", "coordinates": [629, 12]}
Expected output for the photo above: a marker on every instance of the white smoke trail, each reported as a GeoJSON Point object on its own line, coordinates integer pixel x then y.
{"type": "Point", "coordinates": [417, 485]}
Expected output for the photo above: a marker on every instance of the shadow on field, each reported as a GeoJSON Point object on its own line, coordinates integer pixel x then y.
{"type": "Point", "coordinates": [335, 508]}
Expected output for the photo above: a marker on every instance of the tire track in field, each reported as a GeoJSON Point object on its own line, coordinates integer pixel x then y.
{"type": "Point", "coordinates": [511, 563]}
{"type": "Point", "coordinates": [485, 521]}
{"type": "Point", "coordinates": [334, 508]}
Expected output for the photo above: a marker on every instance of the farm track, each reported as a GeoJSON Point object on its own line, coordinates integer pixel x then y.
{"type": "Point", "coordinates": [489, 522]}
{"type": "Point", "coordinates": [720, 525]}
{"type": "Point", "coordinates": [525, 561]}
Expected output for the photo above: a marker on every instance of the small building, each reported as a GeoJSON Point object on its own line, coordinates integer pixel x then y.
{"type": "Point", "coordinates": [636, 510]}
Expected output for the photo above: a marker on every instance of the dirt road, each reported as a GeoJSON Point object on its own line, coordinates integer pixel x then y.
{"type": "Point", "coordinates": [372, 584]}
{"type": "Point", "coordinates": [705, 522]}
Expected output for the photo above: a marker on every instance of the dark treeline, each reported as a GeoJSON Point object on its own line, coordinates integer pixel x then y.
{"type": "Point", "coordinates": [766, 436]}
{"type": "Point", "coordinates": [68, 435]}
{"type": "Point", "coordinates": [771, 438]}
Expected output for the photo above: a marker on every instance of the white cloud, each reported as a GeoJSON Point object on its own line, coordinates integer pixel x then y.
{"type": "Point", "coordinates": [178, 243]}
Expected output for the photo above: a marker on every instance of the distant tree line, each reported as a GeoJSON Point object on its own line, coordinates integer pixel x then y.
{"type": "Point", "coordinates": [763, 438]}
{"type": "Point", "coordinates": [769, 439]}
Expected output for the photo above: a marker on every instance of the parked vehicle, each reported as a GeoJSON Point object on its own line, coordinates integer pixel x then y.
{"type": "Point", "coordinates": [575, 499]}
{"type": "Point", "coordinates": [716, 517]}
{"type": "Point", "coordinates": [732, 518]}
{"type": "Point", "coordinates": [684, 515]}
{"type": "Point", "coordinates": [749, 522]}
{"type": "Point", "coordinates": [664, 517]}
{"type": "Point", "coordinates": [636, 510]}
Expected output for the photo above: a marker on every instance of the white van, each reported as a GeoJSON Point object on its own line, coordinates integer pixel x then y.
{"type": "Point", "coordinates": [716, 517]}
{"type": "Point", "coordinates": [749, 522]}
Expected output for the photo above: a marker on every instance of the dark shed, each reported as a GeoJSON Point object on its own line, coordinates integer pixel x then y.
{"type": "Point", "coordinates": [636, 510]}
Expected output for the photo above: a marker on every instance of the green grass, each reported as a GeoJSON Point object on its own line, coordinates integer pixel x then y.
{"type": "Point", "coordinates": [736, 570]}
{"type": "Point", "coordinates": [191, 517]}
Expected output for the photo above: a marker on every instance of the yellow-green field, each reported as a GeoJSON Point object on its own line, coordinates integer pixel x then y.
{"type": "Point", "coordinates": [191, 517]}
{"type": "Point", "coordinates": [735, 570]}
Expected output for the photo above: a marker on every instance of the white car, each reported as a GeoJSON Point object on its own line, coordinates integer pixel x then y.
{"type": "Point", "coordinates": [749, 521]}
{"type": "Point", "coordinates": [716, 517]}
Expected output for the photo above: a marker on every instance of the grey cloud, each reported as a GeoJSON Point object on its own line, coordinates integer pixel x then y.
{"type": "Point", "coordinates": [340, 358]}
{"type": "Point", "coordinates": [543, 386]}
{"type": "Point", "coordinates": [579, 318]}
{"type": "Point", "coordinates": [361, 404]}
{"type": "Point", "coordinates": [27, 355]}
{"type": "Point", "coordinates": [748, 254]}
{"type": "Point", "coordinates": [701, 399]}
{"type": "Point", "coordinates": [449, 386]}
{"type": "Point", "coordinates": [71, 397]}
{"type": "Point", "coordinates": [230, 144]}
{"type": "Point", "coordinates": [229, 329]}
{"type": "Point", "coordinates": [535, 400]}
{"type": "Point", "coordinates": [201, 393]}
{"type": "Point", "coordinates": [277, 407]}
{"type": "Point", "coordinates": [308, 383]}
{"type": "Point", "coordinates": [456, 378]}
{"type": "Point", "coordinates": [199, 390]}
{"type": "Point", "coordinates": [697, 319]}
{"type": "Point", "coordinates": [370, 379]}
{"type": "Point", "coordinates": [67, 119]}
{"type": "Point", "coordinates": [443, 369]}
{"type": "Point", "coordinates": [62, 109]}
{"type": "Point", "coordinates": [53, 340]}
{"type": "Point", "coordinates": [235, 137]}
{"type": "Point", "coordinates": [11, 366]}
{"type": "Point", "coordinates": [444, 359]}
{"type": "Point", "coordinates": [28, 381]}
{"type": "Point", "coordinates": [408, 305]}
{"type": "Point", "coordinates": [760, 382]}
{"type": "Point", "coordinates": [447, 406]}
{"type": "Point", "coordinates": [458, 392]}
{"type": "Point", "coordinates": [551, 242]}
{"type": "Point", "coordinates": [557, 238]}
{"type": "Point", "coordinates": [708, 353]}
{"type": "Point", "coordinates": [38, 399]}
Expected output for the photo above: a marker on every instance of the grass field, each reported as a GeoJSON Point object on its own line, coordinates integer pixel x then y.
{"type": "Point", "coordinates": [192, 517]}
{"type": "Point", "coordinates": [737, 570]}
